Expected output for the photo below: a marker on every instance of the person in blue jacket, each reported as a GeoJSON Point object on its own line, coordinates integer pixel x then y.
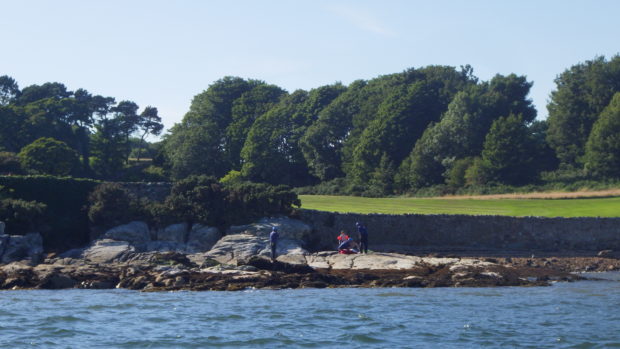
{"type": "Point", "coordinates": [363, 236]}
{"type": "Point", "coordinates": [273, 242]}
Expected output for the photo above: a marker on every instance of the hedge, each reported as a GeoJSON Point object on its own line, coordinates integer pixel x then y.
{"type": "Point", "coordinates": [66, 200]}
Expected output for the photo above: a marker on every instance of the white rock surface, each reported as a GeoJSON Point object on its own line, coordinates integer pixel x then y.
{"type": "Point", "coordinates": [107, 250]}
{"type": "Point", "coordinates": [135, 232]}
{"type": "Point", "coordinates": [202, 238]}
{"type": "Point", "coordinates": [173, 233]}
{"type": "Point", "coordinates": [287, 227]}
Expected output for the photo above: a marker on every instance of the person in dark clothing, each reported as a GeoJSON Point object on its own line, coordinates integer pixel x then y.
{"type": "Point", "coordinates": [363, 236]}
{"type": "Point", "coordinates": [273, 242]}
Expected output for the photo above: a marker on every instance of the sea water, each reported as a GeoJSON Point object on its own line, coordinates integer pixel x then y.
{"type": "Point", "coordinates": [584, 314]}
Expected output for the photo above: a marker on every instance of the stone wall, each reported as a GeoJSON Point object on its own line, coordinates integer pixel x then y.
{"type": "Point", "coordinates": [413, 232]}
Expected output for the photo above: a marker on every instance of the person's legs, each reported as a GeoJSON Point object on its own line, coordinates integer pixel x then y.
{"type": "Point", "coordinates": [364, 246]}
{"type": "Point", "coordinates": [273, 251]}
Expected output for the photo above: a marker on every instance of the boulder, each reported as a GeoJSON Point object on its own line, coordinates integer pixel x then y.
{"type": "Point", "coordinates": [287, 227]}
{"type": "Point", "coordinates": [233, 247]}
{"type": "Point", "coordinates": [108, 250]}
{"type": "Point", "coordinates": [27, 247]}
{"type": "Point", "coordinates": [165, 246]}
{"type": "Point", "coordinates": [173, 233]}
{"type": "Point", "coordinates": [202, 238]}
{"type": "Point", "coordinates": [135, 232]}
{"type": "Point", "coordinates": [240, 247]}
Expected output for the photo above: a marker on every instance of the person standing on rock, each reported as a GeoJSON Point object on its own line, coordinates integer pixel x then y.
{"type": "Point", "coordinates": [363, 236]}
{"type": "Point", "coordinates": [273, 242]}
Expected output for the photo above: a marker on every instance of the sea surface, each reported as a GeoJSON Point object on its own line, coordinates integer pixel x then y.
{"type": "Point", "coordinates": [584, 314]}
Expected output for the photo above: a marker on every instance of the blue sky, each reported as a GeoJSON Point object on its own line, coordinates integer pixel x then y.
{"type": "Point", "coordinates": [162, 53]}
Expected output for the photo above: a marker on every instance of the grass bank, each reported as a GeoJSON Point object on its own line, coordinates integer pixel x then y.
{"type": "Point", "coordinates": [577, 207]}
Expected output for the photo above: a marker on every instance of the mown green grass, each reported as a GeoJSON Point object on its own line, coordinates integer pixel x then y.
{"type": "Point", "coordinates": [587, 207]}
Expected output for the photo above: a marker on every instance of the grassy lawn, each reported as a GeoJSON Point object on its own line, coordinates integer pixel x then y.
{"type": "Point", "coordinates": [586, 207]}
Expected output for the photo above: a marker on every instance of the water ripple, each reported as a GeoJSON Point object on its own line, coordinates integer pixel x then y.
{"type": "Point", "coordinates": [564, 315]}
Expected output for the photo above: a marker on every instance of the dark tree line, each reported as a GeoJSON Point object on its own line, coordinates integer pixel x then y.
{"type": "Point", "coordinates": [435, 126]}
{"type": "Point", "coordinates": [48, 129]}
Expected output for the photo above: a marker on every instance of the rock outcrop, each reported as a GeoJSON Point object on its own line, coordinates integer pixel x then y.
{"type": "Point", "coordinates": [155, 271]}
{"type": "Point", "coordinates": [28, 248]}
{"type": "Point", "coordinates": [244, 241]}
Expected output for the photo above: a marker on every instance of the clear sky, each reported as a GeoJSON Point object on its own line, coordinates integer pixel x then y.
{"type": "Point", "coordinates": [162, 53]}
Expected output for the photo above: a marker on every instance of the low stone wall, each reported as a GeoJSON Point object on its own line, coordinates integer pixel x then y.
{"type": "Point", "coordinates": [414, 232]}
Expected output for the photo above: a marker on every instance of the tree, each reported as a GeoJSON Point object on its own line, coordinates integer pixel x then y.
{"type": "Point", "coordinates": [583, 91]}
{"type": "Point", "coordinates": [272, 152]}
{"type": "Point", "coordinates": [381, 182]}
{"type": "Point", "coordinates": [126, 122]}
{"type": "Point", "coordinates": [401, 119]}
{"type": "Point", "coordinates": [195, 150]}
{"type": "Point", "coordinates": [323, 142]}
{"type": "Point", "coordinates": [9, 90]}
{"type": "Point", "coordinates": [245, 110]}
{"type": "Point", "coordinates": [603, 147]}
{"type": "Point", "coordinates": [211, 112]}
{"type": "Point", "coordinates": [48, 156]}
{"type": "Point", "coordinates": [149, 122]}
{"type": "Point", "coordinates": [108, 148]}
{"type": "Point", "coordinates": [508, 151]}
{"type": "Point", "coordinates": [462, 130]}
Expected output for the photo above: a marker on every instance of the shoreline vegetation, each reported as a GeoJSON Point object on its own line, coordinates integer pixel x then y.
{"type": "Point", "coordinates": [579, 204]}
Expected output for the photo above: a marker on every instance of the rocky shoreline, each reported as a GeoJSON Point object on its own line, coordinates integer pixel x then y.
{"type": "Point", "coordinates": [172, 271]}
{"type": "Point", "coordinates": [195, 257]}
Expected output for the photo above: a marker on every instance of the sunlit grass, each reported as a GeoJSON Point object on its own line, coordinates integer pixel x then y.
{"type": "Point", "coordinates": [586, 207]}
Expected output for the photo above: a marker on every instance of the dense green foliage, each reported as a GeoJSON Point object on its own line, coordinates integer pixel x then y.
{"type": "Point", "coordinates": [65, 198]}
{"type": "Point", "coordinates": [434, 128]}
{"type": "Point", "coordinates": [109, 205]}
{"type": "Point", "coordinates": [22, 217]}
{"type": "Point", "coordinates": [583, 91]}
{"type": "Point", "coordinates": [48, 156]}
{"type": "Point", "coordinates": [96, 128]}
{"type": "Point", "coordinates": [202, 199]}
{"type": "Point", "coordinates": [603, 147]}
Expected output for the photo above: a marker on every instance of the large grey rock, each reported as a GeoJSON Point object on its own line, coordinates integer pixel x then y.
{"type": "Point", "coordinates": [2, 226]}
{"type": "Point", "coordinates": [288, 228]}
{"type": "Point", "coordinates": [135, 232]}
{"type": "Point", "coordinates": [108, 250]}
{"type": "Point", "coordinates": [174, 233]}
{"type": "Point", "coordinates": [235, 247]}
{"type": "Point", "coordinates": [202, 238]}
{"type": "Point", "coordinates": [165, 246]}
{"type": "Point", "coordinates": [28, 247]}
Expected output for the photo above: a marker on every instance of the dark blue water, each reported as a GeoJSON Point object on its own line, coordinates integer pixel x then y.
{"type": "Point", "coordinates": [583, 314]}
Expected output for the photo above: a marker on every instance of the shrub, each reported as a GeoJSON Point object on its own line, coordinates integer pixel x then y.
{"type": "Point", "coordinates": [202, 199]}
{"type": "Point", "coordinates": [65, 198]}
{"type": "Point", "coordinates": [21, 216]}
{"type": "Point", "coordinates": [49, 156]}
{"type": "Point", "coordinates": [109, 204]}
{"type": "Point", "coordinates": [246, 201]}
